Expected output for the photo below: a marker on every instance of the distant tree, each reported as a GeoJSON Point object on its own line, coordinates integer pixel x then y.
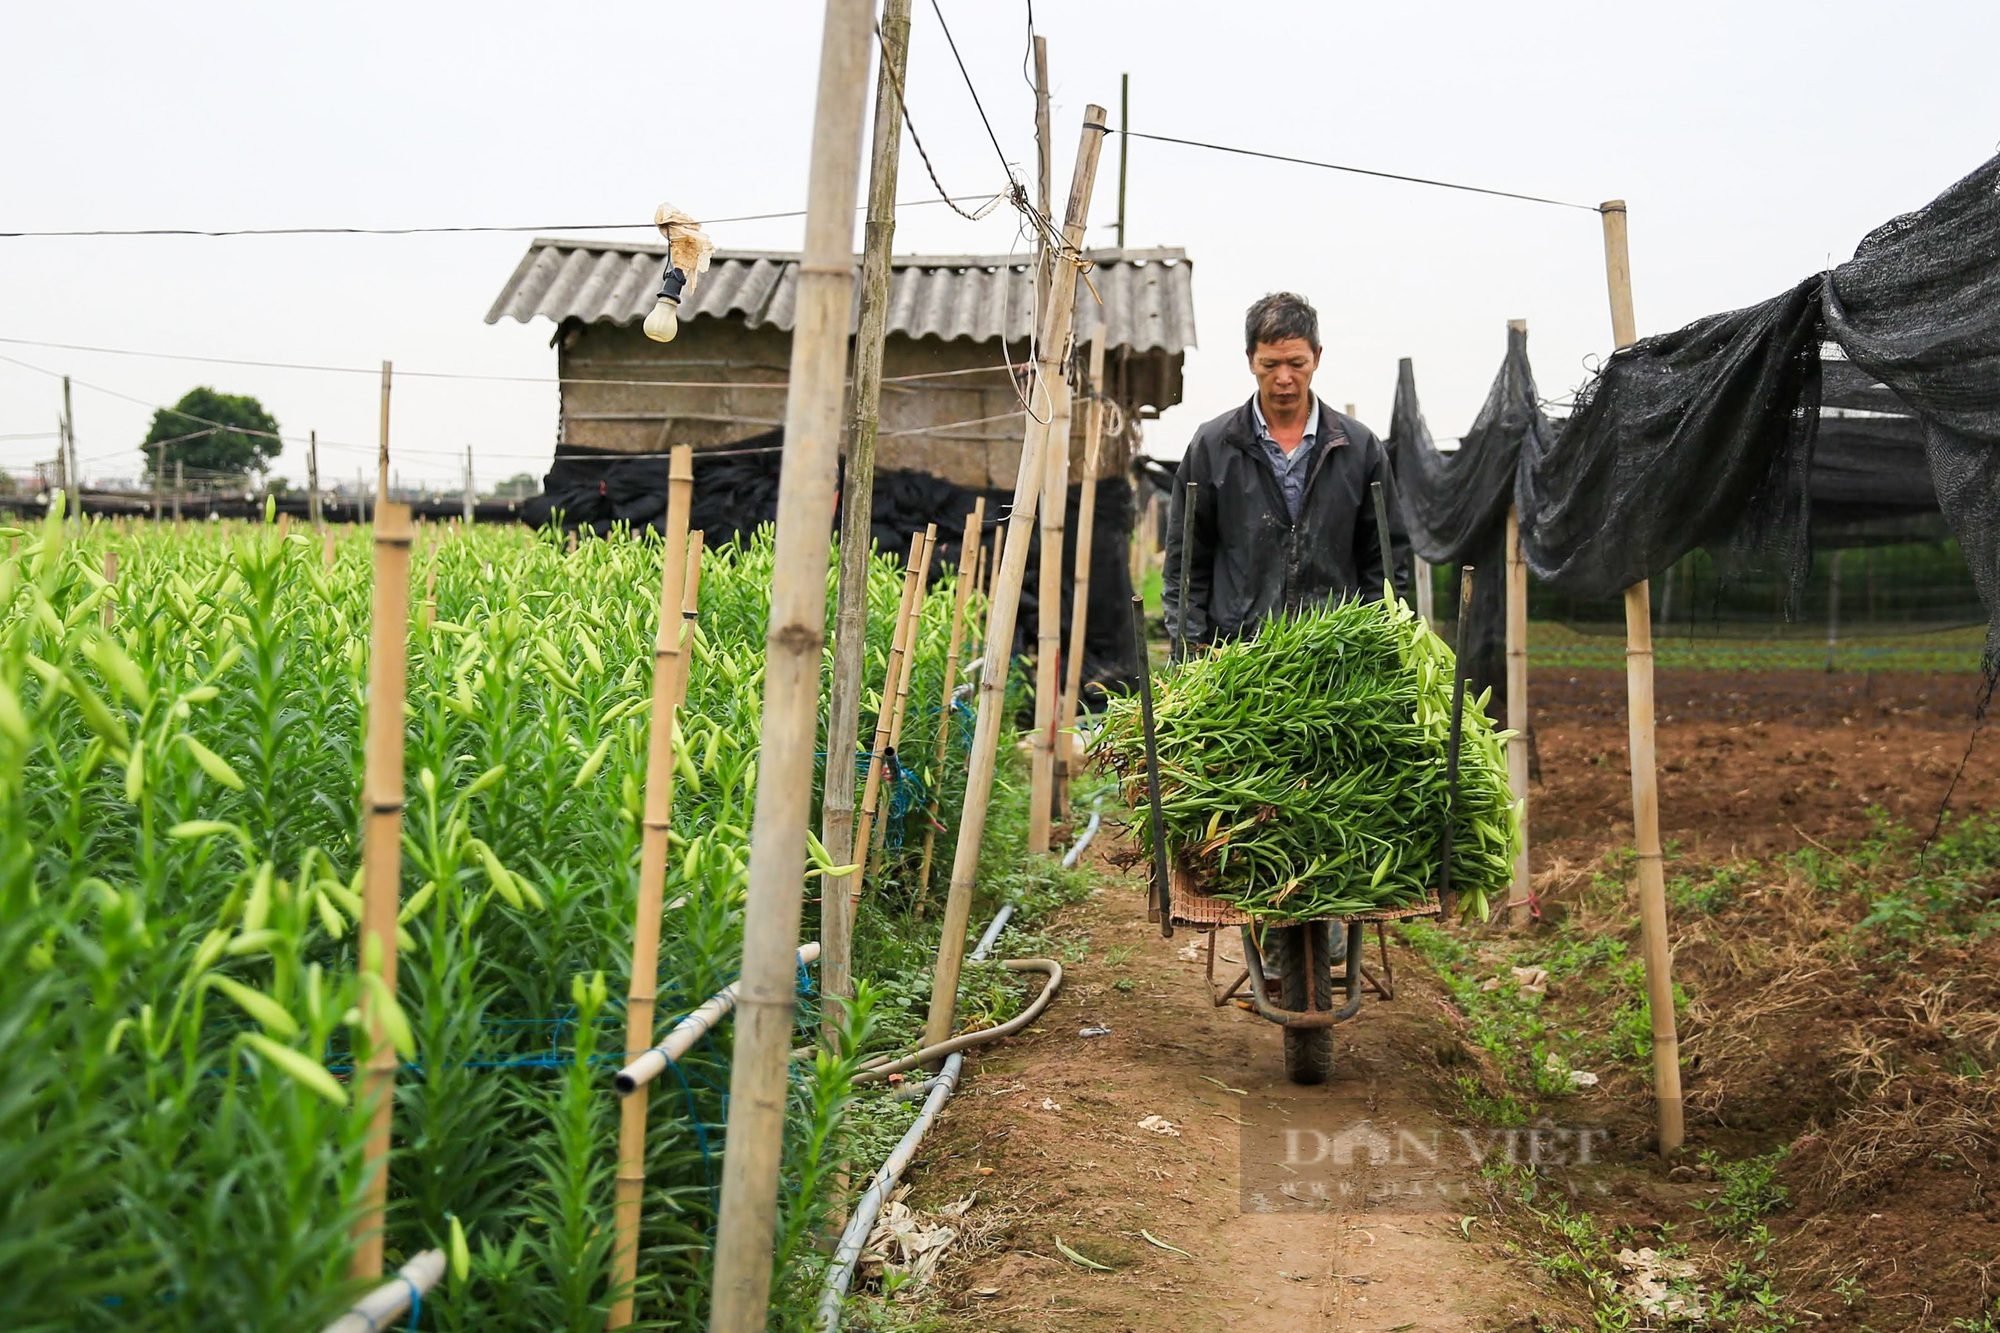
{"type": "Point", "coordinates": [518, 487]}
{"type": "Point", "coordinates": [235, 452]}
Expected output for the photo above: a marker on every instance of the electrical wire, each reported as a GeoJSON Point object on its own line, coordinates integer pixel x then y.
{"type": "Point", "coordinates": [426, 231]}
{"type": "Point", "coordinates": [965, 74]}
{"type": "Point", "coordinates": [903, 105]}
{"type": "Point", "coordinates": [1358, 171]}
{"type": "Point", "coordinates": [455, 375]}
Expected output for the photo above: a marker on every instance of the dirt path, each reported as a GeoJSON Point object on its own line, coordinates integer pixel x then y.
{"type": "Point", "coordinates": [1047, 1130]}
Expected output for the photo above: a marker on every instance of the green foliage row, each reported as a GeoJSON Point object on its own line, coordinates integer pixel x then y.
{"type": "Point", "coordinates": [180, 765]}
{"type": "Point", "coordinates": [1303, 772]}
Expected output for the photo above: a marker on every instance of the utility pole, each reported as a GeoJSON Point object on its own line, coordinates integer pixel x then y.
{"type": "Point", "coordinates": [468, 485]}
{"type": "Point", "coordinates": [312, 477]}
{"type": "Point", "coordinates": [746, 1226]}
{"type": "Point", "coordinates": [1124, 124]}
{"type": "Point", "coordinates": [66, 455]}
{"type": "Point", "coordinates": [857, 525]}
{"type": "Point", "coordinates": [382, 455]}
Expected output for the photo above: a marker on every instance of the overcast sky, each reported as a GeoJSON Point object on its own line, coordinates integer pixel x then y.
{"type": "Point", "coordinates": [1755, 143]}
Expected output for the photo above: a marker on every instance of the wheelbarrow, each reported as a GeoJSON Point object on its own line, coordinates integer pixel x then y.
{"type": "Point", "coordinates": [1288, 971]}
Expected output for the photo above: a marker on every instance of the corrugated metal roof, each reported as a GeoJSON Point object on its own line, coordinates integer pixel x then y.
{"type": "Point", "coordinates": [1148, 294]}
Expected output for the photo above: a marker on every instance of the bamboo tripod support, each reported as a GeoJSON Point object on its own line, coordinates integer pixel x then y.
{"type": "Point", "coordinates": [746, 1228]}
{"type": "Point", "coordinates": [969, 552]}
{"type": "Point", "coordinates": [680, 576]}
{"type": "Point", "coordinates": [910, 637]}
{"type": "Point", "coordinates": [1518, 901]}
{"type": "Point", "coordinates": [382, 861]}
{"type": "Point", "coordinates": [1079, 600]}
{"type": "Point", "coordinates": [1048, 622]}
{"type": "Point", "coordinates": [1054, 336]}
{"type": "Point", "coordinates": [887, 723]}
{"type": "Point", "coordinates": [1645, 769]}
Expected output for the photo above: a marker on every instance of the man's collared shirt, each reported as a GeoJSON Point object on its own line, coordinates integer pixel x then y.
{"type": "Point", "coordinates": [1292, 469]}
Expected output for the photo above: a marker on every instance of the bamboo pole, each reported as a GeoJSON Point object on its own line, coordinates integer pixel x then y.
{"type": "Point", "coordinates": [1055, 478]}
{"type": "Point", "coordinates": [857, 515]}
{"type": "Point", "coordinates": [899, 647]}
{"type": "Point", "coordinates": [796, 641]}
{"type": "Point", "coordinates": [1645, 775]}
{"type": "Point", "coordinates": [382, 453]}
{"type": "Point", "coordinates": [911, 638]}
{"type": "Point", "coordinates": [969, 553]}
{"type": "Point", "coordinates": [680, 583]}
{"type": "Point", "coordinates": [1517, 710]}
{"type": "Point", "coordinates": [382, 861]}
{"type": "Point", "coordinates": [1086, 526]}
{"type": "Point", "coordinates": [1048, 622]}
{"type": "Point", "coordinates": [111, 597]}
{"type": "Point", "coordinates": [326, 548]}
{"type": "Point", "coordinates": [312, 479]}
{"type": "Point", "coordinates": [1054, 336]}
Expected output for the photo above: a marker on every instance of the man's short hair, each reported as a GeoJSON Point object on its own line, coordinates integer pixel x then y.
{"type": "Point", "coordinates": [1279, 316]}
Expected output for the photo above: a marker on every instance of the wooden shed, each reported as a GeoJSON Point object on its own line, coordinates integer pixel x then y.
{"type": "Point", "coordinates": [951, 404]}
{"type": "Point", "coordinates": [954, 398]}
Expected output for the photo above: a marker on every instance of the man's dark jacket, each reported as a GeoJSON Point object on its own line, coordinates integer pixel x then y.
{"type": "Point", "coordinates": [1248, 559]}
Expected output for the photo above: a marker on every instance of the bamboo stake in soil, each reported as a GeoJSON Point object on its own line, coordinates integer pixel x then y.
{"type": "Point", "coordinates": [1645, 775]}
{"type": "Point", "coordinates": [910, 638]}
{"type": "Point", "coordinates": [796, 642]}
{"type": "Point", "coordinates": [1054, 336]}
{"type": "Point", "coordinates": [1048, 622]}
{"type": "Point", "coordinates": [857, 512]}
{"type": "Point", "coordinates": [1518, 901]}
{"type": "Point", "coordinates": [969, 552]}
{"type": "Point", "coordinates": [885, 716]}
{"type": "Point", "coordinates": [679, 584]}
{"type": "Point", "coordinates": [1079, 600]}
{"type": "Point", "coordinates": [382, 860]}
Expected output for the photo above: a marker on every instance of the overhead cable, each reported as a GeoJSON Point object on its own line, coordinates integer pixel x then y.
{"type": "Point", "coordinates": [1357, 171]}
{"type": "Point", "coordinates": [428, 231]}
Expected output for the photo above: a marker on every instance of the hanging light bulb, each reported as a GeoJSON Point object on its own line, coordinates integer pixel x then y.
{"type": "Point", "coordinates": [664, 321]}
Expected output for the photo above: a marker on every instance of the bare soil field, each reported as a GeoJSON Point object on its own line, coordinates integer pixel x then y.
{"type": "Point", "coordinates": [1840, 1029]}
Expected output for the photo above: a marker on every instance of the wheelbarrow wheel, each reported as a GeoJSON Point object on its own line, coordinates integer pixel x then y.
{"type": "Point", "coordinates": [1308, 1051]}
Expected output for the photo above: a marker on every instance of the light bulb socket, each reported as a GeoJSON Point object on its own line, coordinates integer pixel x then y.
{"type": "Point", "coordinates": [672, 283]}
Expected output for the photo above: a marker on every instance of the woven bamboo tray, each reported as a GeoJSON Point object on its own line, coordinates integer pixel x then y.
{"type": "Point", "coordinates": [1192, 907]}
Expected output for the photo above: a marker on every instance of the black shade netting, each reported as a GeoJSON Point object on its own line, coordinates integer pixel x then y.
{"type": "Point", "coordinates": [736, 492]}
{"type": "Point", "coordinates": [1918, 307]}
{"type": "Point", "coordinates": [1455, 504]}
{"type": "Point", "coordinates": [1700, 437]}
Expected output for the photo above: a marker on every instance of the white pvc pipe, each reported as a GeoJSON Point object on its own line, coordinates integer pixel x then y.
{"type": "Point", "coordinates": [840, 1273]}
{"type": "Point", "coordinates": [650, 1064]}
{"type": "Point", "coordinates": [373, 1312]}
{"type": "Point", "coordinates": [1089, 832]}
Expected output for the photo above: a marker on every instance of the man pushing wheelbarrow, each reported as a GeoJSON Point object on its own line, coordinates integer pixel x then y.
{"type": "Point", "coordinates": [1301, 773]}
